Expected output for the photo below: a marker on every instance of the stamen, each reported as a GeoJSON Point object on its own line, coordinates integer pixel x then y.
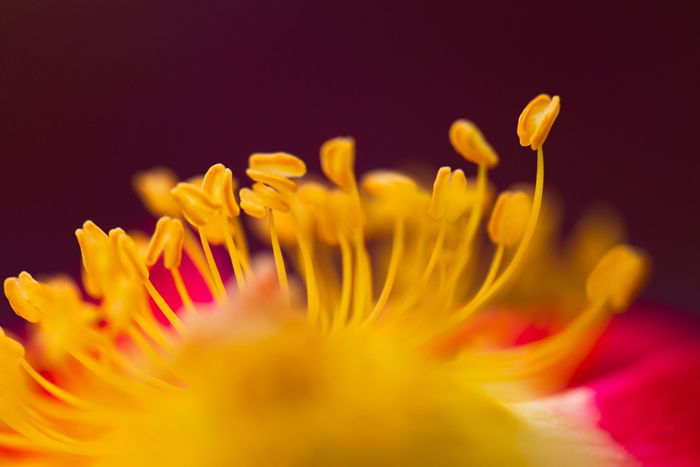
{"type": "Point", "coordinates": [464, 251]}
{"type": "Point", "coordinates": [279, 163]}
{"type": "Point", "coordinates": [481, 298]}
{"type": "Point", "coordinates": [271, 173]}
{"type": "Point", "coordinates": [398, 191]}
{"type": "Point", "coordinates": [279, 260]}
{"type": "Point", "coordinates": [468, 141]}
{"type": "Point", "coordinates": [312, 292]}
{"type": "Point", "coordinates": [396, 253]}
{"type": "Point", "coordinates": [509, 218]}
{"type": "Point", "coordinates": [338, 162]}
{"type": "Point", "coordinates": [273, 180]}
{"type": "Point", "coordinates": [58, 392]}
{"type": "Point", "coordinates": [618, 277]}
{"type": "Point", "coordinates": [537, 119]}
{"type": "Point", "coordinates": [168, 239]}
{"type": "Point", "coordinates": [441, 187]}
{"type": "Point", "coordinates": [136, 265]}
{"type": "Point", "coordinates": [347, 281]}
{"type": "Point", "coordinates": [199, 208]}
{"type": "Point", "coordinates": [21, 293]}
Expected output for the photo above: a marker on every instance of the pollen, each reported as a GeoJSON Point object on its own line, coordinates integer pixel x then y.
{"type": "Point", "coordinates": [351, 338]}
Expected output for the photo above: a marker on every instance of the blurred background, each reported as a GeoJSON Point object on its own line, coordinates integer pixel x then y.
{"type": "Point", "coordinates": [93, 91]}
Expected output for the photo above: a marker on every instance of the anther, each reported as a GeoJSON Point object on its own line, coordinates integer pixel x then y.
{"type": "Point", "coordinates": [338, 162]}
{"type": "Point", "coordinates": [196, 204]}
{"type": "Point", "coordinates": [270, 198]}
{"type": "Point", "coordinates": [278, 163]}
{"type": "Point", "coordinates": [436, 208]}
{"type": "Point", "coordinates": [468, 141]}
{"type": "Point", "coordinates": [168, 239]}
{"type": "Point", "coordinates": [273, 180]}
{"type": "Point", "coordinates": [386, 184]}
{"type": "Point", "coordinates": [509, 218]}
{"type": "Point", "coordinates": [219, 184]}
{"type": "Point", "coordinates": [618, 277]}
{"type": "Point", "coordinates": [457, 196]}
{"type": "Point", "coordinates": [536, 120]}
{"type": "Point", "coordinates": [252, 204]}
{"type": "Point", "coordinates": [131, 260]}
{"type": "Point", "coordinates": [154, 188]}
{"type": "Point", "coordinates": [22, 293]}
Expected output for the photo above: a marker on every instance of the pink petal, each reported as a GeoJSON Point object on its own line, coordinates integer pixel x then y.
{"type": "Point", "coordinates": [645, 372]}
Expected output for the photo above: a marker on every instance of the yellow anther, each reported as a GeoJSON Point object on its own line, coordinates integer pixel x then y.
{"type": "Point", "coordinates": [23, 294]}
{"type": "Point", "coordinates": [251, 203]}
{"type": "Point", "coordinates": [11, 351]}
{"type": "Point", "coordinates": [270, 198]}
{"type": "Point", "coordinates": [278, 163]}
{"type": "Point", "coordinates": [154, 187]}
{"type": "Point", "coordinates": [98, 258]}
{"type": "Point", "coordinates": [168, 238]}
{"type": "Point", "coordinates": [274, 180]}
{"type": "Point", "coordinates": [509, 218]}
{"type": "Point", "coordinates": [436, 208]}
{"type": "Point", "coordinates": [457, 197]}
{"type": "Point", "coordinates": [312, 194]}
{"type": "Point", "coordinates": [388, 185]}
{"type": "Point", "coordinates": [196, 204]}
{"type": "Point", "coordinates": [338, 162]}
{"type": "Point", "coordinates": [129, 256]}
{"type": "Point", "coordinates": [92, 229]}
{"type": "Point", "coordinates": [618, 277]}
{"type": "Point", "coordinates": [468, 141]}
{"type": "Point", "coordinates": [537, 119]}
{"type": "Point", "coordinates": [219, 184]}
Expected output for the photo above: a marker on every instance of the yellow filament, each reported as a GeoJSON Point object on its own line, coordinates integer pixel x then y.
{"type": "Point", "coordinates": [279, 260]}
{"type": "Point", "coordinates": [152, 330]}
{"type": "Point", "coordinates": [182, 289]}
{"type": "Point", "coordinates": [465, 248]}
{"type": "Point", "coordinates": [241, 241]}
{"type": "Point", "coordinates": [118, 358]}
{"type": "Point", "coordinates": [526, 360]}
{"type": "Point", "coordinates": [312, 292]}
{"type": "Point", "coordinates": [481, 298]}
{"type": "Point", "coordinates": [219, 291]}
{"type": "Point", "coordinates": [56, 391]}
{"type": "Point", "coordinates": [125, 385]}
{"type": "Point", "coordinates": [435, 254]}
{"type": "Point", "coordinates": [143, 344]}
{"type": "Point", "coordinates": [363, 280]}
{"type": "Point", "coordinates": [42, 438]}
{"type": "Point", "coordinates": [234, 255]}
{"type": "Point", "coordinates": [493, 269]}
{"type": "Point", "coordinates": [164, 307]}
{"type": "Point", "coordinates": [396, 253]}
{"type": "Point", "coordinates": [347, 280]}
{"type": "Point", "coordinates": [195, 253]}
{"type": "Point", "coordinates": [416, 292]}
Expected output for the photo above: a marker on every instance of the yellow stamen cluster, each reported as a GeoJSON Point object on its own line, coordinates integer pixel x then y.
{"type": "Point", "coordinates": [389, 257]}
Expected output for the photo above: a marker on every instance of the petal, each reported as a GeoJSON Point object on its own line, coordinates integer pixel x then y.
{"type": "Point", "coordinates": [651, 407]}
{"type": "Point", "coordinates": [565, 426]}
{"type": "Point", "coordinates": [634, 335]}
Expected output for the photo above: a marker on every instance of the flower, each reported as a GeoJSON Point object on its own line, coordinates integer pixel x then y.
{"type": "Point", "coordinates": [381, 349]}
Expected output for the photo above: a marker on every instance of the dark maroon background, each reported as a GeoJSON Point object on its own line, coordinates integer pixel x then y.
{"type": "Point", "coordinates": [92, 91]}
